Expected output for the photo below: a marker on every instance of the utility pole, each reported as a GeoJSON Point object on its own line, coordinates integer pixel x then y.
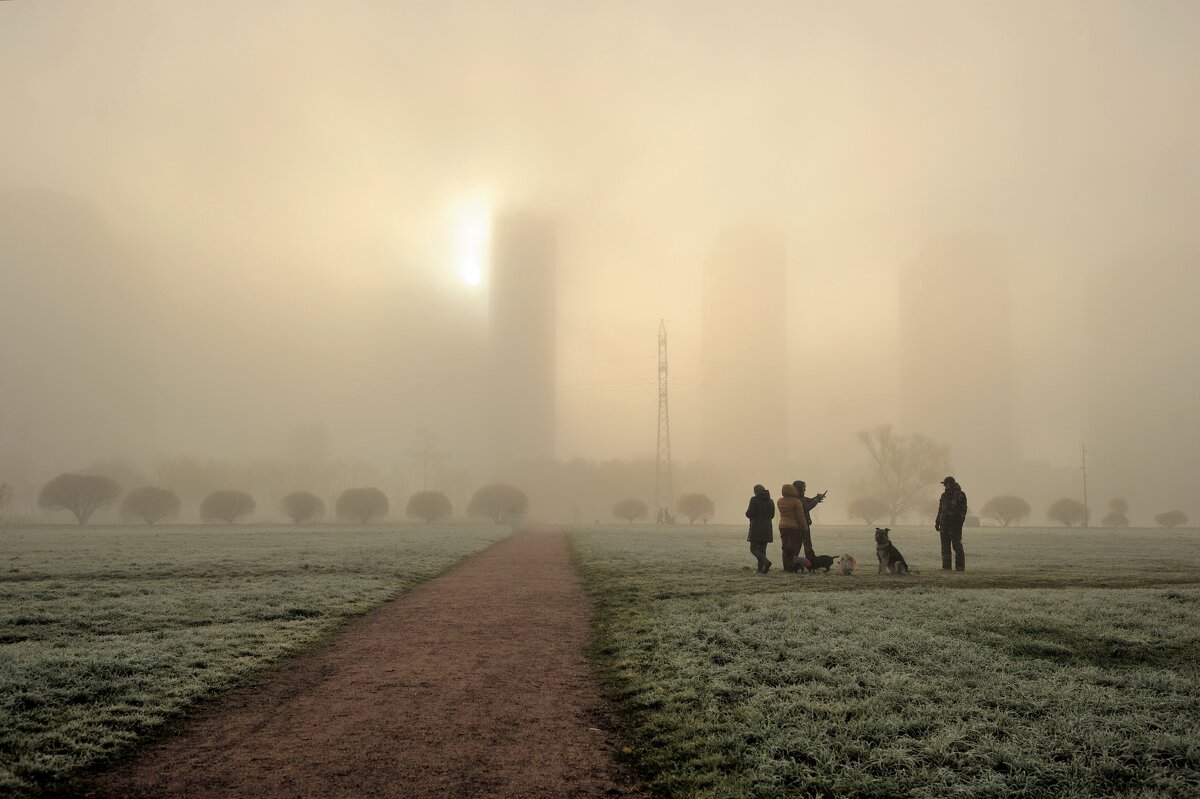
{"type": "Point", "coordinates": [1087, 512]}
{"type": "Point", "coordinates": [664, 491]}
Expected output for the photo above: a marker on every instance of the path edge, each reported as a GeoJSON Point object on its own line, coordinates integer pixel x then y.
{"type": "Point", "coordinates": [75, 785]}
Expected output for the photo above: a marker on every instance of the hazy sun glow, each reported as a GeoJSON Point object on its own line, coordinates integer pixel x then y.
{"type": "Point", "coordinates": [472, 234]}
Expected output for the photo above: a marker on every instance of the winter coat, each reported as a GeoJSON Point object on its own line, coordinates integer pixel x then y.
{"type": "Point", "coordinates": [791, 510]}
{"type": "Point", "coordinates": [808, 502]}
{"type": "Point", "coordinates": [760, 512]}
{"type": "Point", "coordinates": [952, 507]}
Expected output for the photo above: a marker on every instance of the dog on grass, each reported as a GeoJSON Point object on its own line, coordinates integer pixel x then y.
{"type": "Point", "coordinates": [890, 559]}
{"type": "Point", "coordinates": [821, 562]}
{"type": "Point", "coordinates": [815, 562]}
{"type": "Point", "coordinates": [847, 563]}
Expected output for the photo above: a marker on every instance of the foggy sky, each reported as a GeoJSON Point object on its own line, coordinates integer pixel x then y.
{"type": "Point", "coordinates": [244, 211]}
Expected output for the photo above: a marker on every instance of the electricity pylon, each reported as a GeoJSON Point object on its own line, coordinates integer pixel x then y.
{"type": "Point", "coordinates": [664, 491]}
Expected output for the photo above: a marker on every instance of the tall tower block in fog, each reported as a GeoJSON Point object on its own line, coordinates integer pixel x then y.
{"type": "Point", "coordinates": [956, 359]}
{"type": "Point", "coordinates": [520, 394]}
{"type": "Point", "coordinates": [1143, 382]}
{"type": "Point", "coordinates": [744, 337]}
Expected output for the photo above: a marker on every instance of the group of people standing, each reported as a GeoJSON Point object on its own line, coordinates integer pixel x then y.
{"type": "Point", "coordinates": [795, 524]}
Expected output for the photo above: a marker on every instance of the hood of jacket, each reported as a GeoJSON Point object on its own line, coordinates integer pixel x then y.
{"type": "Point", "coordinates": [789, 490]}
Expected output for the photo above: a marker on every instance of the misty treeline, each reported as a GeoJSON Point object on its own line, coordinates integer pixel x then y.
{"type": "Point", "coordinates": [83, 495]}
{"type": "Point", "coordinates": [177, 489]}
{"type": "Point", "coordinates": [898, 481]}
{"type": "Point", "coordinates": [903, 473]}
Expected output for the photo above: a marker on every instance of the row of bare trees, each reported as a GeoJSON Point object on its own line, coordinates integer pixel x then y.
{"type": "Point", "coordinates": [1007, 510]}
{"type": "Point", "coordinates": [84, 494]}
{"type": "Point", "coordinates": [1070, 512]}
{"type": "Point", "coordinates": [692, 506]}
{"type": "Point", "coordinates": [497, 501]}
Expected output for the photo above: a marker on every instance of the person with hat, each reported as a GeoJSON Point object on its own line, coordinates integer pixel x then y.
{"type": "Point", "coordinates": [793, 525]}
{"type": "Point", "coordinates": [951, 515]}
{"type": "Point", "coordinates": [761, 512]}
{"type": "Point", "coordinates": [808, 503]}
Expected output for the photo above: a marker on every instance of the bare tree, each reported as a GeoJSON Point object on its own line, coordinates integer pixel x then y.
{"type": "Point", "coordinates": [499, 501]}
{"type": "Point", "coordinates": [1067, 511]}
{"type": "Point", "coordinates": [695, 506]}
{"type": "Point", "coordinates": [1114, 520]}
{"type": "Point", "coordinates": [362, 505]}
{"type": "Point", "coordinates": [1006, 509]}
{"type": "Point", "coordinates": [1118, 513]}
{"type": "Point", "coordinates": [926, 509]}
{"type": "Point", "coordinates": [303, 506]}
{"type": "Point", "coordinates": [81, 494]}
{"type": "Point", "coordinates": [429, 505]}
{"type": "Point", "coordinates": [150, 504]}
{"type": "Point", "coordinates": [226, 506]}
{"type": "Point", "coordinates": [869, 509]}
{"type": "Point", "coordinates": [630, 509]}
{"type": "Point", "coordinates": [1171, 519]}
{"type": "Point", "coordinates": [425, 455]}
{"type": "Point", "coordinates": [904, 468]}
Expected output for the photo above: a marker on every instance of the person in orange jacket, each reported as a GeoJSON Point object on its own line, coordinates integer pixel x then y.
{"type": "Point", "coordinates": [792, 526]}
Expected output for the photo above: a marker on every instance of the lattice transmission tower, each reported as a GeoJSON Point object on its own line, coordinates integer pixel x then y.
{"type": "Point", "coordinates": [664, 490]}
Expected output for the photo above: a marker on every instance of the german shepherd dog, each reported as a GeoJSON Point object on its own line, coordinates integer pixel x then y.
{"type": "Point", "coordinates": [890, 559]}
{"type": "Point", "coordinates": [848, 563]}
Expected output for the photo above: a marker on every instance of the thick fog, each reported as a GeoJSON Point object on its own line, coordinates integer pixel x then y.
{"type": "Point", "coordinates": [253, 245]}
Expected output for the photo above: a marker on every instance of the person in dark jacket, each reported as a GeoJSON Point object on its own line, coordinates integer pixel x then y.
{"type": "Point", "coordinates": [808, 503]}
{"type": "Point", "coordinates": [760, 512]}
{"type": "Point", "coordinates": [952, 513]}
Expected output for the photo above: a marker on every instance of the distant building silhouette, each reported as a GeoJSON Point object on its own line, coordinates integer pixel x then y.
{"type": "Point", "coordinates": [1143, 381]}
{"type": "Point", "coordinates": [523, 333]}
{"type": "Point", "coordinates": [956, 358]}
{"type": "Point", "coordinates": [744, 337]}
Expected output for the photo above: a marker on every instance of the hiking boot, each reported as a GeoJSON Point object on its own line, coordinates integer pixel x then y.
{"type": "Point", "coordinates": [767, 568]}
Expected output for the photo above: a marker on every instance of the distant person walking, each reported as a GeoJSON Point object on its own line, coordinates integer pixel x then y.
{"type": "Point", "coordinates": [808, 503]}
{"type": "Point", "coordinates": [791, 524]}
{"type": "Point", "coordinates": [951, 515]}
{"type": "Point", "coordinates": [760, 512]}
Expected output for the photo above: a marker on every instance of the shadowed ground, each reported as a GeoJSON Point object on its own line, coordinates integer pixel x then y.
{"type": "Point", "coordinates": [474, 684]}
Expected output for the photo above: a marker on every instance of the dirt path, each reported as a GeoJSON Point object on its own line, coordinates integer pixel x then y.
{"type": "Point", "coordinates": [474, 684]}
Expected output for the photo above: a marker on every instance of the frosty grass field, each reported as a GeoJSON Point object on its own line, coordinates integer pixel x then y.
{"type": "Point", "coordinates": [1064, 663]}
{"type": "Point", "coordinates": [107, 633]}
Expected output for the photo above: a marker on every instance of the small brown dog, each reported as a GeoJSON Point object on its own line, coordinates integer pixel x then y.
{"type": "Point", "coordinates": [847, 563]}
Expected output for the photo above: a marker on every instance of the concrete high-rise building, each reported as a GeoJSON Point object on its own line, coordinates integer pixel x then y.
{"type": "Point", "coordinates": [744, 338]}
{"type": "Point", "coordinates": [1143, 380]}
{"type": "Point", "coordinates": [956, 359]}
{"type": "Point", "coordinates": [523, 333]}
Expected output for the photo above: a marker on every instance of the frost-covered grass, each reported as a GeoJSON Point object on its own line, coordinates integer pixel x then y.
{"type": "Point", "coordinates": [108, 633]}
{"type": "Point", "coordinates": [1082, 678]}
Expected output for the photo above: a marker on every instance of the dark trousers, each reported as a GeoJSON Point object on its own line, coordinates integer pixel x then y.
{"type": "Point", "coordinates": [952, 537]}
{"type": "Point", "coordinates": [789, 540]}
{"type": "Point", "coordinates": [759, 550]}
{"type": "Point", "coordinates": [806, 542]}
